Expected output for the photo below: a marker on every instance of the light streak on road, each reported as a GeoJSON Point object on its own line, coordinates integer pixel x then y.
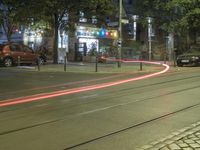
{"type": "Point", "coordinates": [37, 97]}
{"type": "Point", "coordinates": [64, 84]}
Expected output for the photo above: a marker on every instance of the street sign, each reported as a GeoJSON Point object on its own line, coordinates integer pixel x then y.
{"type": "Point", "coordinates": [125, 21]}
{"type": "Point", "coordinates": [113, 24]}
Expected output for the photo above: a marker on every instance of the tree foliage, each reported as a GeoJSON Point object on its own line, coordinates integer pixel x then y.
{"type": "Point", "coordinates": [190, 13]}
{"type": "Point", "coordinates": [171, 15]}
{"type": "Point", "coordinates": [11, 15]}
{"type": "Point", "coordinates": [53, 11]}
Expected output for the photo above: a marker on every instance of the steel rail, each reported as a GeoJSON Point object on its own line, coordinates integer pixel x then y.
{"type": "Point", "coordinates": [41, 96]}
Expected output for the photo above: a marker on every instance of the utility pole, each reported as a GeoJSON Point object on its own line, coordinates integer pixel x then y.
{"type": "Point", "coordinates": [120, 35]}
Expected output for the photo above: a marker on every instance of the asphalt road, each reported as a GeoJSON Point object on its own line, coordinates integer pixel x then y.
{"type": "Point", "coordinates": [122, 117]}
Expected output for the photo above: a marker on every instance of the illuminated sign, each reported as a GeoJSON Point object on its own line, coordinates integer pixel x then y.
{"type": "Point", "coordinates": [91, 32]}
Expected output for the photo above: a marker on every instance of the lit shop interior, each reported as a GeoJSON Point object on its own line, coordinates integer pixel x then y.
{"type": "Point", "coordinates": [91, 41]}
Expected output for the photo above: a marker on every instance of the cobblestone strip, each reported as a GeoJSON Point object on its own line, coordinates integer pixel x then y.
{"type": "Point", "coordinates": [185, 139]}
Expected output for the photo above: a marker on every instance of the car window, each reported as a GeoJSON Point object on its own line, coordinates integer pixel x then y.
{"type": "Point", "coordinates": [27, 49]}
{"type": "Point", "coordinates": [15, 47]}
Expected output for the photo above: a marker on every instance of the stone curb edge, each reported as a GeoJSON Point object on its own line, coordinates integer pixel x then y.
{"type": "Point", "coordinates": [174, 136]}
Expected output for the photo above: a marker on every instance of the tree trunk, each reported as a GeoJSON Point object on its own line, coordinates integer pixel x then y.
{"type": "Point", "coordinates": [9, 34]}
{"type": "Point", "coordinates": [7, 31]}
{"type": "Point", "coordinates": [55, 42]}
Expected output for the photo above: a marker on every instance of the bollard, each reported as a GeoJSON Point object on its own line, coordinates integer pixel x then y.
{"type": "Point", "coordinates": [96, 64]}
{"type": "Point", "coordinates": [38, 64]}
{"type": "Point", "coordinates": [165, 58]}
{"type": "Point", "coordinates": [174, 58]}
{"type": "Point", "coordinates": [119, 63]}
{"type": "Point", "coordinates": [65, 63]}
{"type": "Point", "coordinates": [18, 61]}
{"type": "Point", "coordinates": [140, 66]}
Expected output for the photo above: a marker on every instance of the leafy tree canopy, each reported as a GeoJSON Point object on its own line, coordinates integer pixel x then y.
{"type": "Point", "coordinates": [53, 11]}
{"type": "Point", "coordinates": [11, 15]}
{"type": "Point", "coordinates": [171, 15]}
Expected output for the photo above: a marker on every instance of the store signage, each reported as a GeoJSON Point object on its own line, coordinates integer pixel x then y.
{"type": "Point", "coordinates": [92, 32]}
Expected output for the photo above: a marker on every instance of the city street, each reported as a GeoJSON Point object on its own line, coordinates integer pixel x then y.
{"type": "Point", "coordinates": [99, 75]}
{"type": "Point", "coordinates": [127, 116]}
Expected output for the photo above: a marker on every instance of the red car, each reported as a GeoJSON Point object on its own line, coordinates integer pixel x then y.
{"type": "Point", "coordinates": [13, 53]}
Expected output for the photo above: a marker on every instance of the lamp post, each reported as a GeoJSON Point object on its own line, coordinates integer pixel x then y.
{"type": "Point", "coordinates": [149, 19]}
{"type": "Point", "coordinates": [134, 17]}
{"type": "Point", "coordinates": [64, 19]}
{"type": "Point", "coordinates": [120, 34]}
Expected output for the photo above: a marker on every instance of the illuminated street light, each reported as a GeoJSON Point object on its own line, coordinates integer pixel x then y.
{"type": "Point", "coordinates": [135, 17]}
{"type": "Point", "coordinates": [120, 34]}
{"type": "Point", "coordinates": [149, 19]}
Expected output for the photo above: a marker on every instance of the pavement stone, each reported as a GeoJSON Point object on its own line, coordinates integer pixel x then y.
{"type": "Point", "coordinates": [198, 141]}
{"type": "Point", "coordinates": [173, 146]}
{"type": "Point", "coordinates": [187, 138]}
{"type": "Point", "coordinates": [189, 141]}
{"type": "Point", "coordinates": [195, 145]}
{"type": "Point", "coordinates": [183, 145]}
{"type": "Point", "coordinates": [164, 148]}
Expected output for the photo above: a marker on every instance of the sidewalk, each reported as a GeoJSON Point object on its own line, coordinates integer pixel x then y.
{"type": "Point", "coordinates": [187, 138]}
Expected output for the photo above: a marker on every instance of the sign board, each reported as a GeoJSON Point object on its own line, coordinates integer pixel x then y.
{"type": "Point", "coordinates": [113, 24]}
{"type": "Point", "coordinates": [92, 32]}
{"type": "Point", "coordinates": [125, 21]}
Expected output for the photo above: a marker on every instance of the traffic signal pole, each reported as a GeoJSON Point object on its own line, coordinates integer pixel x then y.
{"type": "Point", "coordinates": [120, 34]}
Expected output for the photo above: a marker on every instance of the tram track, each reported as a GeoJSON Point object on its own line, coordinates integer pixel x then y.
{"type": "Point", "coordinates": [122, 92]}
{"type": "Point", "coordinates": [131, 127]}
{"type": "Point", "coordinates": [113, 106]}
{"type": "Point", "coordinates": [88, 81]}
{"type": "Point", "coordinates": [28, 120]}
{"type": "Point", "coordinates": [79, 82]}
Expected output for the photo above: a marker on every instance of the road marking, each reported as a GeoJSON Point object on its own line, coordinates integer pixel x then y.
{"type": "Point", "coordinates": [88, 96]}
{"type": "Point", "coordinates": [64, 85]}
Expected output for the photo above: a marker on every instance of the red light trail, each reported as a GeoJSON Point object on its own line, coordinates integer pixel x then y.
{"type": "Point", "coordinates": [37, 97]}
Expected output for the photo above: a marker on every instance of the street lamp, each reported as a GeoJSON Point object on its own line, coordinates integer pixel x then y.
{"type": "Point", "coordinates": [149, 19]}
{"type": "Point", "coordinates": [120, 34]}
{"type": "Point", "coordinates": [64, 43]}
{"type": "Point", "coordinates": [134, 17]}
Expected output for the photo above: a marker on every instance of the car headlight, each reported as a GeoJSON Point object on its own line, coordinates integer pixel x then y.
{"type": "Point", "coordinates": [195, 57]}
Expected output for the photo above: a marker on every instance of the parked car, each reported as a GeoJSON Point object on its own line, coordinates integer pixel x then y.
{"type": "Point", "coordinates": [189, 58]}
{"type": "Point", "coordinates": [13, 53]}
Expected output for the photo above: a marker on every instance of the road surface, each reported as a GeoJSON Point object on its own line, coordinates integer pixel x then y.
{"type": "Point", "coordinates": [121, 117]}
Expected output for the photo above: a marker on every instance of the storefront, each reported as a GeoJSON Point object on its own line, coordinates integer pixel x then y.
{"type": "Point", "coordinates": [89, 40]}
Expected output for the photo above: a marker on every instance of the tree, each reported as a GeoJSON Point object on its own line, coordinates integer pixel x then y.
{"type": "Point", "coordinates": [14, 12]}
{"type": "Point", "coordinates": [189, 11]}
{"type": "Point", "coordinates": [98, 8]}
{"type": "Point", "coordinates": [180, 17]}
{"type": "Point", "coordinates": [53, 11]}
{"type": "Point", "coordinates": [10, 15]}
{"type": "Point", "coordinates": [189, 17]}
